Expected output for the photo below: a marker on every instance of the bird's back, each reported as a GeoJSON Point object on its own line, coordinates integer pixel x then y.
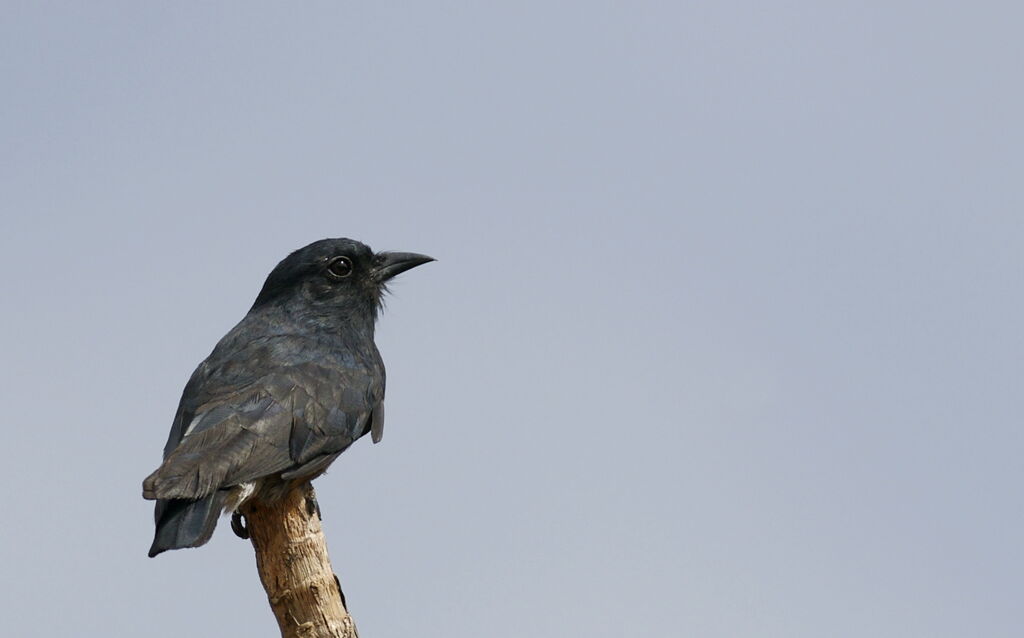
{"type": "Point", "coordinates": [266, 406]}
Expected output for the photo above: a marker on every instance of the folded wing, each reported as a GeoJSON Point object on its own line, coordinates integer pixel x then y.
{"type": "Point", "coordinates": [292, 422]}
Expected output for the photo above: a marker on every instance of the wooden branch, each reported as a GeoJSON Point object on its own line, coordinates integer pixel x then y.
{"type": "Point", "coordinates": [291, 556]}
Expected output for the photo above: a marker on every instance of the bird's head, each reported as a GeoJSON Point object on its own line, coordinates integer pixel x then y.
{"type": "Point", "coordinates": [335, 277]}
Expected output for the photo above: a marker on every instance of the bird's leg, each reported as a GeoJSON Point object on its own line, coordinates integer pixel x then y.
{"type": "Point", "coordinates": [238, 526]}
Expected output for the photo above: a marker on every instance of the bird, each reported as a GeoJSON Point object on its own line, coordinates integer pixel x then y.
{"type": "Point", "coordinates": [296, 382]}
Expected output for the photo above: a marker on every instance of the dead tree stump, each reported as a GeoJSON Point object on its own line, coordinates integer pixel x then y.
{"type": "Point", "coordinates": [291, 556]}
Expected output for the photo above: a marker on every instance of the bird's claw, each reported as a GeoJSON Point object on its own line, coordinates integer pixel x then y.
{"type": "Point", "coordinates": [313, 505]}
{"type": "Point", "coordinates": [238, 526]}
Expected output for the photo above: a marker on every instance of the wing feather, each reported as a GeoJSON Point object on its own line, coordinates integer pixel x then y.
{"type": "Point", "coordinates": [293, 421]}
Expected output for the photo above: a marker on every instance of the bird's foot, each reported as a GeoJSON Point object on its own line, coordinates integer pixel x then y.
{"type": "Point", "coordinates": [313, 505]}
{"type": "Point", "coordinates": [238, 526]}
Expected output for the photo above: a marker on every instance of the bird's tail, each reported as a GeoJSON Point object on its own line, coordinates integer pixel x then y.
{"type": "Point", "coordinates": [186, 523]}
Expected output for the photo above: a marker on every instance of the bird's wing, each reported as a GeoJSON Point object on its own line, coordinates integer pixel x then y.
{"type": "Point", "coordinates": [232, 429]}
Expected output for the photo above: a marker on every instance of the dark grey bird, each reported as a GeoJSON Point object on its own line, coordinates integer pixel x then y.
{"type": "Point", "coordinates": [286, 391]}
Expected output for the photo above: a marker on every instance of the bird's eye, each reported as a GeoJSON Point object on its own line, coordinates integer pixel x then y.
{"type": "Point", "coordinates": [339, 267]}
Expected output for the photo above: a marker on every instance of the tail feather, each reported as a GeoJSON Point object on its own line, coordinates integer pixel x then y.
{"type": "Point", "coordinates": [186, 523]}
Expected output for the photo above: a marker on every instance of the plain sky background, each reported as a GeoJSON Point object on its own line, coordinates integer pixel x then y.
{"type": "Point", "coordinates": [724, 339]}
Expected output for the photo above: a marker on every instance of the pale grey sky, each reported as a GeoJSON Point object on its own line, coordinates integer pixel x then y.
{"type": "Point", "coordinates": [724, 338]}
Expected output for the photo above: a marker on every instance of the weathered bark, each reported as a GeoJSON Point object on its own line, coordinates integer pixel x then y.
{"type": "Point", "coordinates": [291, 556]}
